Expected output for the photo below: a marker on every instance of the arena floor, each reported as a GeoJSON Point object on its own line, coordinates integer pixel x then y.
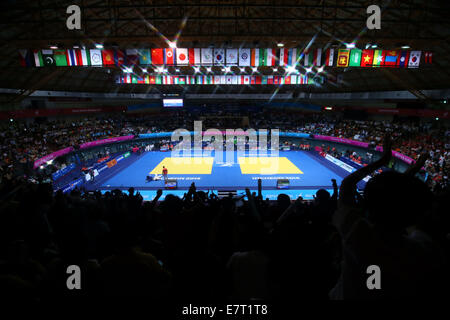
{"type": "Point", "coordinates": [228, 171]}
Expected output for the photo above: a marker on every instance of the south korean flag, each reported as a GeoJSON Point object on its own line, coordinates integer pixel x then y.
{"type": "Point", "coordinates": [414, 59]}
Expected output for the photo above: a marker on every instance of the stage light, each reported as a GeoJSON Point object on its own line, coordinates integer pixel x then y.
{"type": "Point", "coordinates": [127, 70]}
{"type": "Point", "coordinates": [208, 69]}
{"type": "Point", "coordinates": [99, 46]}
{"type": "Point", "coordinates": [291, 69]}
{"type": "Point", "coordinates": [160, 69]}
{"type": "Point", "coordinates": [255, 69]}
{"type": "Point", "coordinates": [227, 69]}
{"type": "Point", "coordinates": [144, 70]}
{"type": "Point", "coordinates": [280, 45]}
{"type": "Point", "coordinates": [328, 108]}
{"type": "Point", "coordinates": [320, 69]}
{"type": "Point", "coordinates": [177, 70]}
{"type": "Point", "coordinates": [54, 47]}
{"type": "Point", "coordinates": [196, 69]}
{"type": "Point", "coordinates": [374, 46]}
{"type": "Point", "coordinates": [308, 70]}
{"type": "Point", "coordinates": [172, 44]}
{"type": "Point", "coordinates": [275, 69]}
{"type": "Point", "coordinates": [11, 120]}
{"type": "Point", "coordinates": [437, 118]}
{"type": "Point", "coordinates": [242, 69]}
{"type": "Point", "coordinates": [350, 45]}
{"type": "Point", "coordinates": [406, 47]}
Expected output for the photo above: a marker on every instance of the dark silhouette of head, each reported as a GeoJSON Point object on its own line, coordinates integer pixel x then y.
{"type": "Point", "coordinates": [394, 201]}
{"type": "Point", "coordinates": [322, 196]}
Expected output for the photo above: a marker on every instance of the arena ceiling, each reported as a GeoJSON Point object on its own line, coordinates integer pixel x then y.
{"type": "Point", "coordinates": [38, 24]}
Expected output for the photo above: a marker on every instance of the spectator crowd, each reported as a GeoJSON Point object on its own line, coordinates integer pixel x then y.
{"type": "Point", "coordinates": [22, 142]}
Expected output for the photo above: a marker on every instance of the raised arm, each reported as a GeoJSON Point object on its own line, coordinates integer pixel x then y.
{"type": "Point", "coordinates": [348, 185]}
{"type": "Point", "coordinates": [415, 167]}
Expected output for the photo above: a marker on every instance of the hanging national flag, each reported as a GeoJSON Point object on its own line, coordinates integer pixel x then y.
{"type": "Point", "coordinates": [246, 79]}
{"type": "Point", "coordinates": [252, 79]}
{"type": "Point", "coordinates": [190, 79]}
{"type": "Point", "coordinates": [403, 60]}
{"type": "Point", "coordinates": [318, 57]}
{"type": "Point", "coordinates": [147, 79]}
{"type": "Point", "coordinates": [140, 80]}
{"type": "Point", "coordinates": [152, 80]}
{"type": "Point", "coordinates": [219, 56]}
{"type": "Point", "coordinates": [168, 80]}
{"type": "Point", "coordinates": [232, 57]}
{"type": "Point", "coordinates": [209, 80]}
{"type": "Point", "coordinates": [158, 56]}
{"type": "Point", "coordinates": [355, 58]}
{"type": "Point", "coordinates": [207, 56]}
{"type": "Point", "coordinates": [199, 79]}
{"type": "Point", "coordinates": [216, 79]}
{"type": "Point", "coordinates": [26, 58]}
{"type": "Point", "coordinates": [329, 57]}
{"type": "Point", "coordinates": [287, 80]}
{"type": "Point", "coordinates": [257, 57]}
{"type": "Point", "coordinates": [182, 56]}
{"type": "Point", "coordinates": [378, 58]}
{"type": "Point", "coordinates": [96, 57]}
{"type": "Point", "coordinates": [38, 60]}
{"type": "Point", "coordinates": [343, 57]}
{"type": "Point", "coordinates": [182, 80]}
{"type": "Point", "coordinates": [158, 79]}
{"type": "Point", "coordinates": [229, 80]}
{"type": "Point", "coordinates": [269, 79]}
{"type": "Point", "coordinates": [71, 57]}
{"type": "Point", "coordinates": [276, 79]}
{"type": "Point", "coordinates": [367, 58]}
{"type": "Point", "coordinates": [132, 57]}
{"type": "Point", "coordinates": [169, 56]}
{"type": "Point", "coordinates": [119, 57]}
{"type": "Point", "coordinates": [284, 55]}
{"type": "Point", "coordinates": [244, 57]}
{"type": "Point", "coordinates": [293, 79]}
{"type": "Point", "coordinates": [60, 58]}
{"type": "Point", "coordinates": [145, 56]}
{"type": "Point", "coordinates": [414, 59]}
{"type": "Point", "coordinates": [108, 57]}
{"type": "Point", "coordinates": [309, 59]}
{"type": "Point", "coordinates": [258, 80]}
{"type": "Point", "coordinates": [292, 57]}
{"type": "Point", "coordinates": [223, 79]}
{"type": "Point", "coordinates": [47, 58]}
{"type": "Point", "coordinates": [234, 80]}
{"type": "Point", "coordinates": [391, 58]}
{"type": "Point", "coordinates": [83, 57]}
{"type": "Point", "coordinates": [428, 57]}
{"type": "Point", "coordinates": [195, 57]}
{"type": "Point", "coordinates": [134, 78]}
{"type": "Point", "coordinates": [264, 80]}
{"type": "Point", "coordinates": [270, 57]}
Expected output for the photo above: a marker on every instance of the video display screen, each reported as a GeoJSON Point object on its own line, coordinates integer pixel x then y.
{"type": "Point", "coordinates": [172, 103]}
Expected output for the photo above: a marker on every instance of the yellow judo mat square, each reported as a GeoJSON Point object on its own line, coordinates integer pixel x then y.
{"type": "Point", "coordinates": [267, 165]}
{"type": "Point", "coordinates": [185, 165]}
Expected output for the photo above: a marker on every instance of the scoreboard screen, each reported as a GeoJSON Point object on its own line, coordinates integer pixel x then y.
{"type": "Point", "coordinates": [172, 103]}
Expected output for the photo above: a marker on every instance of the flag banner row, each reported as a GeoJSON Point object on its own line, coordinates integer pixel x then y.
{"type": "Point", "coordinates": [244, 57]}
{"type": "Point", "coordinates": [220, 80]}
{"type": "Point", "coordinates": [382, 58]}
